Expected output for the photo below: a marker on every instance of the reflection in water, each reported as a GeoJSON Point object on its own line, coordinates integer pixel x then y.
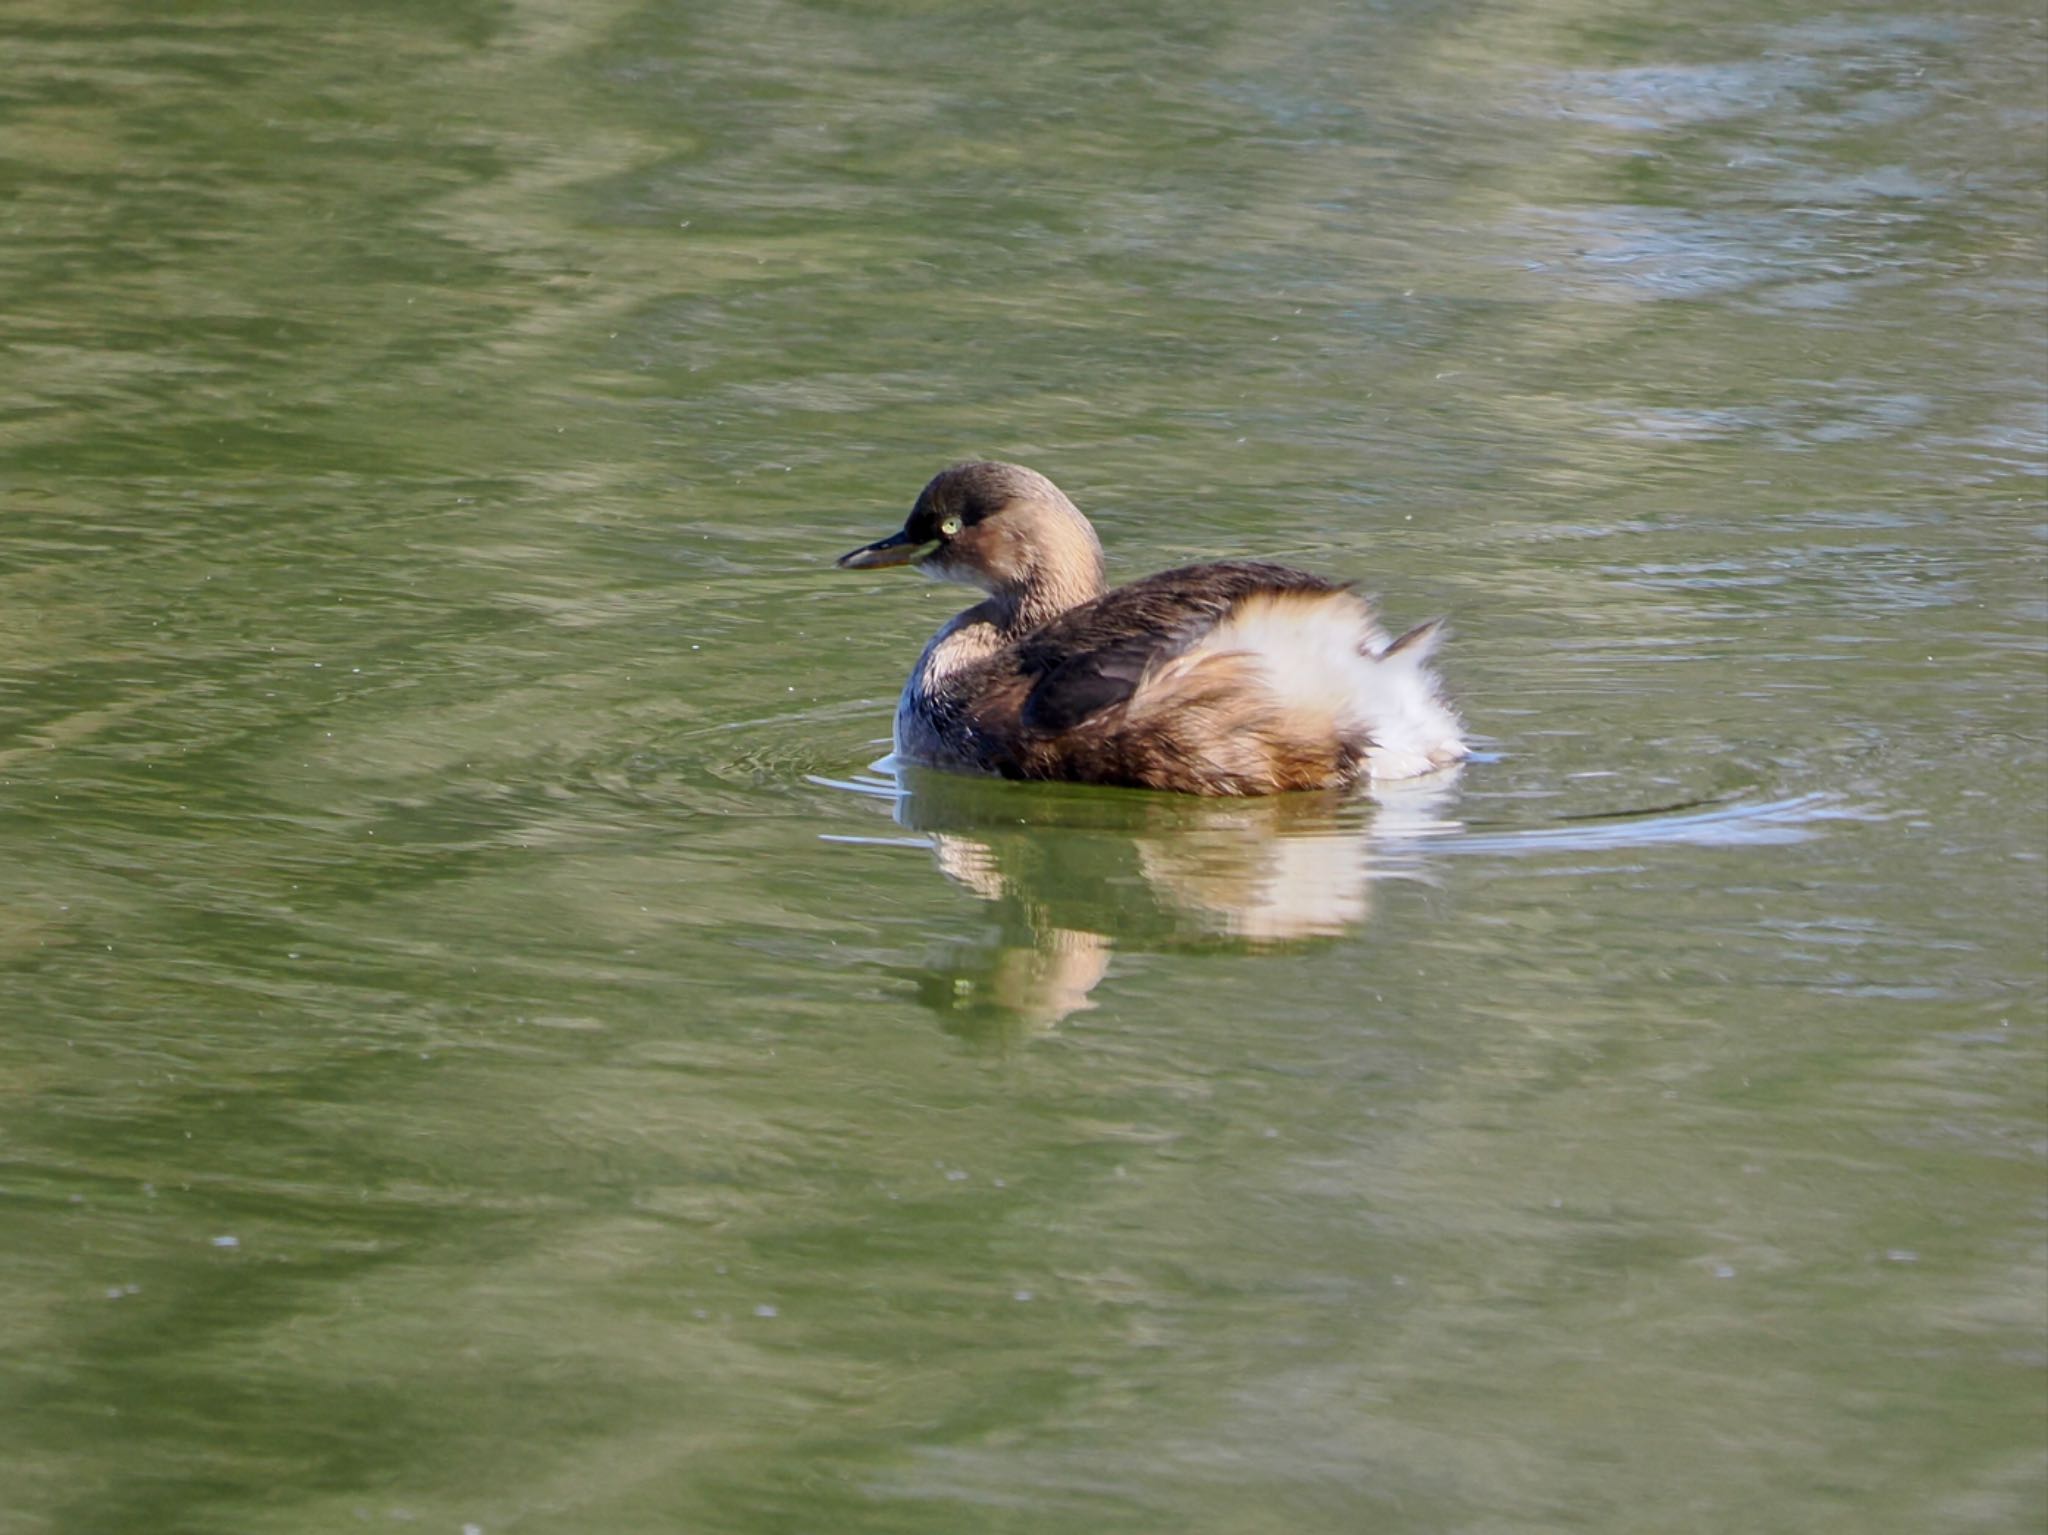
{"type": "Point", "coordinates": [1074, 872]}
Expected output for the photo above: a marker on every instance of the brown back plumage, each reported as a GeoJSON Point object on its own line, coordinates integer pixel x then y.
{"type": "Point", "coordinates": [1126, 689]}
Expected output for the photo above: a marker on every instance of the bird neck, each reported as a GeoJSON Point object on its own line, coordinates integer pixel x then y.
{"type": "Point", "coordinates": [1063, 576]}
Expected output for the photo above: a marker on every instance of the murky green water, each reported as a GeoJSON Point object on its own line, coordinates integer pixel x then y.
{"type": "Point", "coordinates": [483, 1046]}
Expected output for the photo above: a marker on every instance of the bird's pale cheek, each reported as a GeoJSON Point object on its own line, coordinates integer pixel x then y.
{"type": "Point", "coordinates": [946, 565]}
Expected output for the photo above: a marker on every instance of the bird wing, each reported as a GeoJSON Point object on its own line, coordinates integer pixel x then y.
{"type": "Point", "coordinates": [1093, 658]}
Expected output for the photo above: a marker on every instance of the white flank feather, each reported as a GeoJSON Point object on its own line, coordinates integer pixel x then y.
{"type": "Point", "coordinates": [1324, 655]}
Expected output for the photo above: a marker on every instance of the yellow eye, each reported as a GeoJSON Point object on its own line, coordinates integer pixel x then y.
{"type": "Point", "coordinates": [950, 526]}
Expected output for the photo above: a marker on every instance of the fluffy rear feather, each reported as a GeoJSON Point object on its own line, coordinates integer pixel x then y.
{"type": "Point", "coordinates": [1329, 694]}
{"type": "Point", "coordinates": [1414, 730]}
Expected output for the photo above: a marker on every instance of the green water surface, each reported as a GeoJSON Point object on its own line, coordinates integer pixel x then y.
{"type": "Point", "coordinates": [483, 1046]}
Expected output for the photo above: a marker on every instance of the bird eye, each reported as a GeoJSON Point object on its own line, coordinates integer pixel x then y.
{"type": "Point", "coordinates": [950, 526]}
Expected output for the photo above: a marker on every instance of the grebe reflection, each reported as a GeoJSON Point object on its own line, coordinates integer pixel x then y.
{"type": "Point", "coordinates": [1073, 873]}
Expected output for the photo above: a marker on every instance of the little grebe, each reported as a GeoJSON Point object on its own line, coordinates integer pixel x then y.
{"type": "Point", "coordinates": [1234, 678]}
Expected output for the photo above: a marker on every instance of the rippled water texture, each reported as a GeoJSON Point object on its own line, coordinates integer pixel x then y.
{"type": "Point", "coordinates": [486, 1048]}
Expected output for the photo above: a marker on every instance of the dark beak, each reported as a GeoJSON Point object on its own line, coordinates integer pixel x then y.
{"type": "Point", "coordinates": [896, 549]}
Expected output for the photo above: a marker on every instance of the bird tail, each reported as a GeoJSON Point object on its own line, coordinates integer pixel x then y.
{"type": "Point", "coordinates": [1334, 689]}
{"type": "Point", "coordinates": [1413, 729]}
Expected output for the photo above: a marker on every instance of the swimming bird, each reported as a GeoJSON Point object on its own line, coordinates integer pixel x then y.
{"type": "Point", "coordinates": [1239, 677]}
